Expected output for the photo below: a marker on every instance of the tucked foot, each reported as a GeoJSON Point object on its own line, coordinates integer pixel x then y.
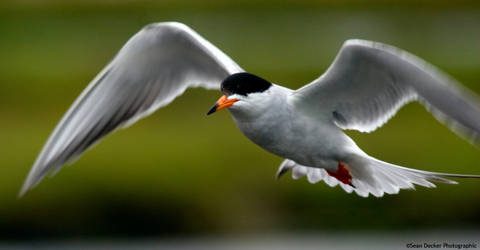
{"type": "Point", "coordinates": [342, 174]}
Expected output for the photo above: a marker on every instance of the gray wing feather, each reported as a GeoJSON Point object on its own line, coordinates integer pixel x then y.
{"type": "Point", "coordinates": [368, 82]}
{"type": "Point", "coordinates": [154, 67]}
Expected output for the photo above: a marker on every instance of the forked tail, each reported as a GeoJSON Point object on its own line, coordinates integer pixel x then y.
{"type": "Point", "coordinates": [371, 176]}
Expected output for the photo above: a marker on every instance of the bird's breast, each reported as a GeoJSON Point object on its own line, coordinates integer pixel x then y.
{"type": "Point", "coordinates": [267, 129]}
{"type": "Point", "coordinates": [291, 136]}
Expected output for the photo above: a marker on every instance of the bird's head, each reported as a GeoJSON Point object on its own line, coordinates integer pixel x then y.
{"type": "Point", "coordinates": [242, 91]}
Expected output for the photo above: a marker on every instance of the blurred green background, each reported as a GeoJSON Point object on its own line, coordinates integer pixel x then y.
{"type": "Point", "coordinates": [179, 172]}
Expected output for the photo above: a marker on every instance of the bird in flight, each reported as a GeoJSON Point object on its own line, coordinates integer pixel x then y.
{"type": "Point", "coordinates": [362, 89]}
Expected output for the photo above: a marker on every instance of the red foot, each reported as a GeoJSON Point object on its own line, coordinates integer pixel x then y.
{"type": "Point", "coordinates": [342, 174]}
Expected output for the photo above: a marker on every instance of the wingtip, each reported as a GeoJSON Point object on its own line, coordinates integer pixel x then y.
{"type": "Point", "coordinates": [31, 181]}
{"type": "Point", "coordinates": [23, 191]}
{"type": "Point", "coordinates": [27, 185]}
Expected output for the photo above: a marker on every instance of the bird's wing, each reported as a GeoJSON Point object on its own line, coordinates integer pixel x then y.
{"type": "Point", "coordinates": [154, 67]}
{"type": "Point", "coordinates": [368, 82]}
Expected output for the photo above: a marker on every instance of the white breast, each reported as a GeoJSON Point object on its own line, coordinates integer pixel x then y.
{"type": "Point", "coordinates": [270, 121]}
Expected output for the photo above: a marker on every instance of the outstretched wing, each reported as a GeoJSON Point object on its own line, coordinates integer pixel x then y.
{"type": "Point", "coordinates": [154, 67]}
{"type": "Point", "coordinates": [368, 82]}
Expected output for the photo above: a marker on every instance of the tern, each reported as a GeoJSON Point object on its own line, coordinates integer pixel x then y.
{"type": "Point", "coordinates": [363, 88]}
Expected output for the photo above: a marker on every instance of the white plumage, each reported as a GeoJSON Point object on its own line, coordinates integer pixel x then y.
{"type": "Point", "coordinates": [363, 88]}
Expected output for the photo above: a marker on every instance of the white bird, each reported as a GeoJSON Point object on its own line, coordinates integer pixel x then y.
{"type": "Point", "coordinates": [364, 87]}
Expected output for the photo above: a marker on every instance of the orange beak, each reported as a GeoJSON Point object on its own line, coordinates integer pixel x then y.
{"type": "Point", "coordinates": [222, 103]}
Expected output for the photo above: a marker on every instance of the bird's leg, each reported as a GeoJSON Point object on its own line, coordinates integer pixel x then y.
{"type": "Point", "coordinates": [342, 174]}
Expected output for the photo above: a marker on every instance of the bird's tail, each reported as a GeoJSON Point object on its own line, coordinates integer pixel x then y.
{"type": "Point", "coordinates": [377, 177]}
{"type": "Point", "coordinates": [372, 176]}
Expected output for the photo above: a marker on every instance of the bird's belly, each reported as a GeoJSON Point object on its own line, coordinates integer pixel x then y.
{"type": "Point", "coordinates": [308, 144]}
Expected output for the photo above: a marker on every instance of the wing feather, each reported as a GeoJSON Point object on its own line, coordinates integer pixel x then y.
{"type": "Point", "coordinates": [154, 67]}
{"type": "Point", "coordinates": [368, 82]}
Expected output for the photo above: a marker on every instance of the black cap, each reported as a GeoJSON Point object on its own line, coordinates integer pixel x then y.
{"type": "Point", "coordinates": [244, 84]}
